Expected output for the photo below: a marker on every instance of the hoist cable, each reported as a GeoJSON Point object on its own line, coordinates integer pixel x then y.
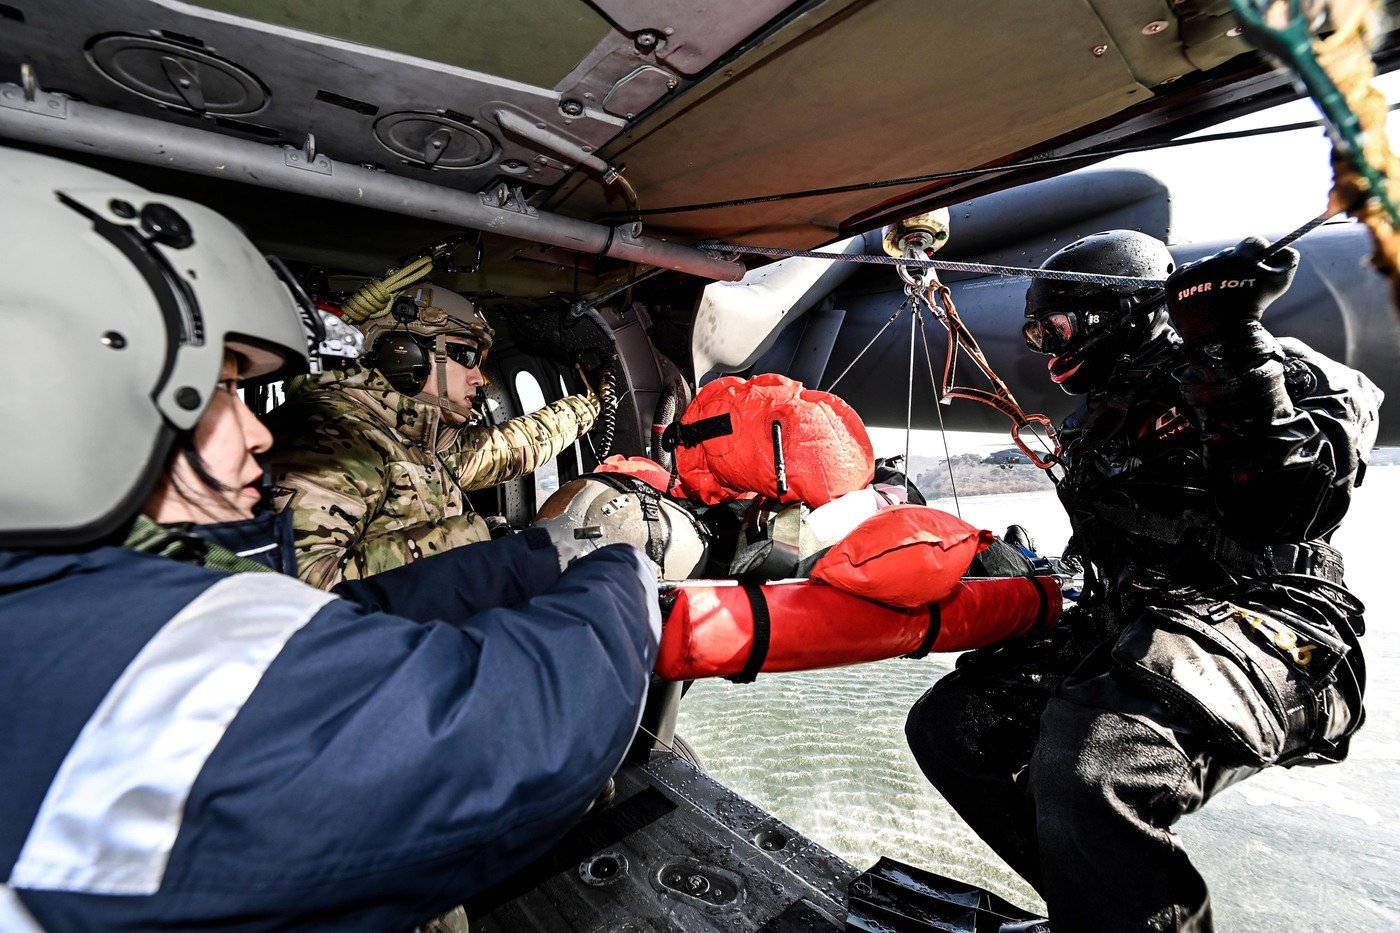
{"type": "Point", "coordinates": [909, 398]}
{"type": "Point", "coordinates": [946, 265]}
{"type": "Point", "coordinates": [938, 407]}
{"type": "Point", "coordinates": [983, 268]}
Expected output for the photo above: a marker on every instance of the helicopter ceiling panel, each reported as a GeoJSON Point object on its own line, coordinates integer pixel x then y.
{"type": "Point", "coordinates": [416, 90]}
{"type": "Point", "coordinates": [851, 91]}
{"type": "Point", "coordinates": [439, 71]}
{"type": "Point", "coordinates": [535, 43]}
{"type": "Point", "coordinates": [700, 100]}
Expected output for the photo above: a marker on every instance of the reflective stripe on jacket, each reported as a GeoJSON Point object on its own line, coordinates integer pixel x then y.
{"type": "Point", "coordinates": [189, 747]}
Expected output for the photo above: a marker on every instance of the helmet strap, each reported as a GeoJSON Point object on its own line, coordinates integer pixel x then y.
{"type": "Point", "coordinates": [441, 400]}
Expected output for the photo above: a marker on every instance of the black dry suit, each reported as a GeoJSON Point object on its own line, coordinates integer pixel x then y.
{"type": "Point", "coordinates": [1215, 637]}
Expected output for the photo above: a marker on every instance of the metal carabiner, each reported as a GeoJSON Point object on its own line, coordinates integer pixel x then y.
{"type": "Point", "coordinates": [1045, 463]}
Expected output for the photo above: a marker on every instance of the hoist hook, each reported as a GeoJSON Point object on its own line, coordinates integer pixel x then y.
{"type": "Point", "coordinates": [917, 238]}
{"type": "Point", "coordinates": [916, 281]}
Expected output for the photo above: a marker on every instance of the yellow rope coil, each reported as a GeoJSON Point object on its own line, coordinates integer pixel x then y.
{"type": "Point", "coordinates": [374, 297]}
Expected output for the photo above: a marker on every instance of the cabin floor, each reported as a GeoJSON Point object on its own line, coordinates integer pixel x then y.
{"type": "Point", "coordinates": [674, 851]}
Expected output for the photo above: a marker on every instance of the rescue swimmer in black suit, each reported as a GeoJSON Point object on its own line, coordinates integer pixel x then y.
{"type": "Point", "coordinates": [1205, 468]}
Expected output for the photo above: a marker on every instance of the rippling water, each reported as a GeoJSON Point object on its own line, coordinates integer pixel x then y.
{"type": "Point", "coordinates": [1306, 849]}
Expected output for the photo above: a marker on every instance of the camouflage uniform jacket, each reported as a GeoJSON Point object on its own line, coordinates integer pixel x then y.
{"type": "Point", "coordinates": [377, 480]}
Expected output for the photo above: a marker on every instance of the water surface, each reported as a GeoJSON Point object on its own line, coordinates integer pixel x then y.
{"type": "Point", "coordinates": [1302, 849]}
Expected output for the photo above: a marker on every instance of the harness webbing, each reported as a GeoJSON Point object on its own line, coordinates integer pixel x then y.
{"type": "Point", "coordinates": [1337, 72]}
{"type": "Point", "coordinates": [938, 298]}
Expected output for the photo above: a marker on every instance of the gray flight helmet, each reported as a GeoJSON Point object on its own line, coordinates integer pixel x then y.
{"type": "Point", "coordinates": [116, 309]}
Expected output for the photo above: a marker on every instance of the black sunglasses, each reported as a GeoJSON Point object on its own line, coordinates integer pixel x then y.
{"type": "Point", "coordinates": [465, 354]}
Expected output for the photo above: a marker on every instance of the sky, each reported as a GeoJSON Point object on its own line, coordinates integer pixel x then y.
{"type": "Point", "coordinates": [1220, 190]}
{"type": "Point", "coordinates": [1261, 185]}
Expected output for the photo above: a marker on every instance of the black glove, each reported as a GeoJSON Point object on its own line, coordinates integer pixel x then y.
{"type": "Point", "coordinates": [1221, 296]}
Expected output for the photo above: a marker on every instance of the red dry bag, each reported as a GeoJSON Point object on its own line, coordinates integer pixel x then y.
{"type": "Point", "coordinates": [643, 468]}
{"type": "Point", "coordinates": [904, 555]}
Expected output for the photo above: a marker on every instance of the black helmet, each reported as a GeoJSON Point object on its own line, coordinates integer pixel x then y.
{"type": "Point", "coordinates": [1088, 328]}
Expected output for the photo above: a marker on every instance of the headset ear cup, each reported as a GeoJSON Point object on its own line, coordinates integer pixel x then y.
{"type": "Point", "coordinates": [403, 360]}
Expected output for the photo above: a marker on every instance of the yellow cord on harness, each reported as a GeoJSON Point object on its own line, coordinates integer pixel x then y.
{"type": "Point", "coordinates": [374, 297]}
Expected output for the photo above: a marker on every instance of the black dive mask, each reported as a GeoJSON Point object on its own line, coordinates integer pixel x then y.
{"type": "Point", "coordinates": [1075, 325]}
{"type": "Point", "coordinates": [1085, 340]}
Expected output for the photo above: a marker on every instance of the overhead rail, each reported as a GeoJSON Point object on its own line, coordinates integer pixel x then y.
{"type": "Point", "coordinates": [32, 115]}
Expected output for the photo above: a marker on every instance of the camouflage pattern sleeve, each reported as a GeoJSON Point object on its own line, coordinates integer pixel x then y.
{"type": "Point", "coordinates": [336, 480]}
{"type": "Point", "coordinates": [488, 456]}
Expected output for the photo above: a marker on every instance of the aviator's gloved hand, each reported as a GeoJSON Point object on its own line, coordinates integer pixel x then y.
{"type": "Point", "coordinates": [570, 541]}
{"type": "Point", "coordinates": [1220, 297]}
{"type": "Point", "coordinates": [605, 380]}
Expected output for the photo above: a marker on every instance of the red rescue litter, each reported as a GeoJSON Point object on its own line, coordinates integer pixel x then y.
{"type": "Point", "coordinates": [722, 629]}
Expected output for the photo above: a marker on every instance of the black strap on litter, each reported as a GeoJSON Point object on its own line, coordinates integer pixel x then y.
{"type": "Point", "coordinates": [762, 631]}
{"type": "Point", "coordinates": [935, 627]}
{"type": "Point", "coordinates": [1042, 615]}
{"type": "Point", "coordinates": [680, 434]}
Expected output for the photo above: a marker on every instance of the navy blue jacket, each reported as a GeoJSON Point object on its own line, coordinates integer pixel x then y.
{"type": "Point", "coordinates": [180, 746]}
